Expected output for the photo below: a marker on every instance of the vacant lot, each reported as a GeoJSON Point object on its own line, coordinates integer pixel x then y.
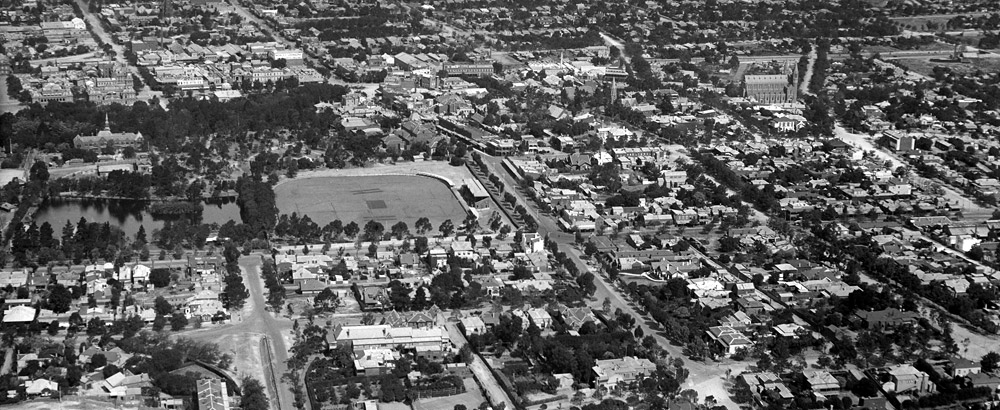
{"type": "Point", "coordinates": [386, 199]}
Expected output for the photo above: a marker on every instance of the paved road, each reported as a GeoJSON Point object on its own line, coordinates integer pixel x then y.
{"type": "Point", "coordinates": [804, 86]}
{"type": "Point", "coordinates": [94, 24]}
{"type": "Point", "coordinates": [259, 320]}
{"type": "Point", "coordinates": [494, 393]}
{"type": "Point", "coordinates": [266, 28]}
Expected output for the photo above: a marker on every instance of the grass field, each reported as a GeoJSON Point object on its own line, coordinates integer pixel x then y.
{"type": "Point", "coordinates": [926, 67]}
{"type": "Point", "coordinates": [386, 199]}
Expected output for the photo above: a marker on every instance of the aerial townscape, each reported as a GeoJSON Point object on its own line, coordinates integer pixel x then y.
{"type": "Point", "coordinates": [500, 205]}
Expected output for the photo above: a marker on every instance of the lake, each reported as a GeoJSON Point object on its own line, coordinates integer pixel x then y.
{"type": "Point", "coordinates": [125, 214]}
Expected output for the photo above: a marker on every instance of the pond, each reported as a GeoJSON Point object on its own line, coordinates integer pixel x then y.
{"type": "Point", "coordinates": [126, 214]}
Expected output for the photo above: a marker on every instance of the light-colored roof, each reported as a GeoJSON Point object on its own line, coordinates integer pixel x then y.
{"type": "Point", "coordinates": [19, 314]}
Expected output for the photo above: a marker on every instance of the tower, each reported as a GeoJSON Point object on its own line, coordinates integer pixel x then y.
{"type": "Point", "coordinates": [107, 123]}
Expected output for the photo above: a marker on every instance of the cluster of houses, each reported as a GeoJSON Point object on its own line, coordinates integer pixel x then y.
{"type": "Point", "coordinates": [194, 291]}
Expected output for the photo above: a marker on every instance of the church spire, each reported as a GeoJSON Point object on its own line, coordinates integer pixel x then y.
{"type": "Point", "coordinates": [107, 123]}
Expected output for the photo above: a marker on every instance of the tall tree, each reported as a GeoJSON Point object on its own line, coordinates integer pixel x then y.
{"type": "Point", "coordinates": [59, 299]}
{"type": "Point", "coordinates": [253, 397]}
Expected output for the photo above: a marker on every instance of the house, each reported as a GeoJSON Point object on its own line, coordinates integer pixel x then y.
{"type": "Point", "coordinates": [906, 378]}
{"type": "Point", "coordinates": [463, 250]}
{"type": "Point", "coordinates": [311, 287]}
{"type": "Point", "coordinates": [19, 314]}
{"type": "Point", "coordinates": [419, 319]}
{"type": "Point", "coordinates": [961, 367]}
{"type": "Point", "coordinates": [492, 287]}
{"type": "Point", "coordinates": [890, 317]}
{"type": "Point", "coordinates": [731, 340]}
{"type": "Point", "coordinates": [789, 330]}
{"type": "Point", "coordinates": [40, 387]}
{"type": "Point", "coordinates": [375, 362]}
{"type": "Point", "coordinates": [752, 307]}
{"type": "Point", "coordinates": [766, 384]}
{"type": "Point", "coordinates": [473, 325]}
{"type": "Point", "coordinates": [821, 381]}
{"type": "Point", "coordinates": [576, 317]}
{"type": "Point", "coordinates": [540, 318]}
{"type": "Point", "coordinates": [612, 372]}
{"type": "Point", "coordinates": [204, 303]}
{"type": "Point", "coordinates": [438, 256]}
{"type": "Point", "coordinates": [984, 380]}
{"type": "Point", "coordinates": [372, 297]}
{"type": "Point", "coordinates": [409, 260]}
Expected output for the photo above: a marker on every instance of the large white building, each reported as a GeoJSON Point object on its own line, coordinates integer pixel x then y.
{"type": "Point", "coordinates": [289, 55]}
{"type": "Point", "coordinates": [609, 373]}
{"type": "Point", "coordinates": [431, 342]}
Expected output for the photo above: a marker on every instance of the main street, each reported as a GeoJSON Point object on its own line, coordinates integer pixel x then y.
{"type": "Point", "coordinates": [257, 320]}
{"type": "Point", "coordinates": [94, 25]}
{"type": "Point", "coordinates": [266, 28]}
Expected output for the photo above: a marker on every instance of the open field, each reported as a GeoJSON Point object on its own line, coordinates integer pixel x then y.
{"type": "Point", "coordinates": [926, 67]}
{"type": "Point", "coordinates": [384, 198]}
{"type": "Point", "coordinates": [7, 175]}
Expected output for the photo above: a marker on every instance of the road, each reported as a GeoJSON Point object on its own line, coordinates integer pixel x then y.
{"type": "Point", "coordinates": [266, 28]}
{"type": "Point", "coordinates": [804, 86]}
{"type": "Point", "coordinates": [94, 25]}
{"type": "Point", "coordinates": [7, 104]}
{"type": "Point", "coordinates": [260, 321]}
{"type": "Point", "coordinates": [700, 372]}
{"type": "Point", "coordinates": [494, 393]}
{"type": "Point", "coordinates": [612, 42]}
{"type": "Point", "coordinates": [864, 143]}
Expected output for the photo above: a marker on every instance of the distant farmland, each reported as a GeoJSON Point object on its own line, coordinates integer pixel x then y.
{"type": "Point", "coordinates": [387, 199]}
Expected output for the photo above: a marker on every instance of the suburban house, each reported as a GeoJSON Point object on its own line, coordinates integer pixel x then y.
{"type": "Point", "coordinates": [890, 317]}
{"type": "Point", "coordinates": [473, 325]}
{"type": "Point", "coordinates": [729, 339]}
{"type": "Point", "coordinates": [372, 297]}
{"type": "Point", "coordinates": [906, 378]}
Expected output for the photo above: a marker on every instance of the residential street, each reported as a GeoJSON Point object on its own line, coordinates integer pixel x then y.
{"type": "Point", "coordinates": [700, 372]}
{"type": "Point", "coordinates": [494, 393]}
{"type": "Point", "coordinates": [260, 321]}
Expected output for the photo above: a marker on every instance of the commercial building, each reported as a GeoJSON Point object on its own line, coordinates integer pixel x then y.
{"type": "Point", "coordinates": [431, 342]}
{"type": "Point", "coordinates": [612, 372]}
{"type": "Point", "coordinates": [481, 69]}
